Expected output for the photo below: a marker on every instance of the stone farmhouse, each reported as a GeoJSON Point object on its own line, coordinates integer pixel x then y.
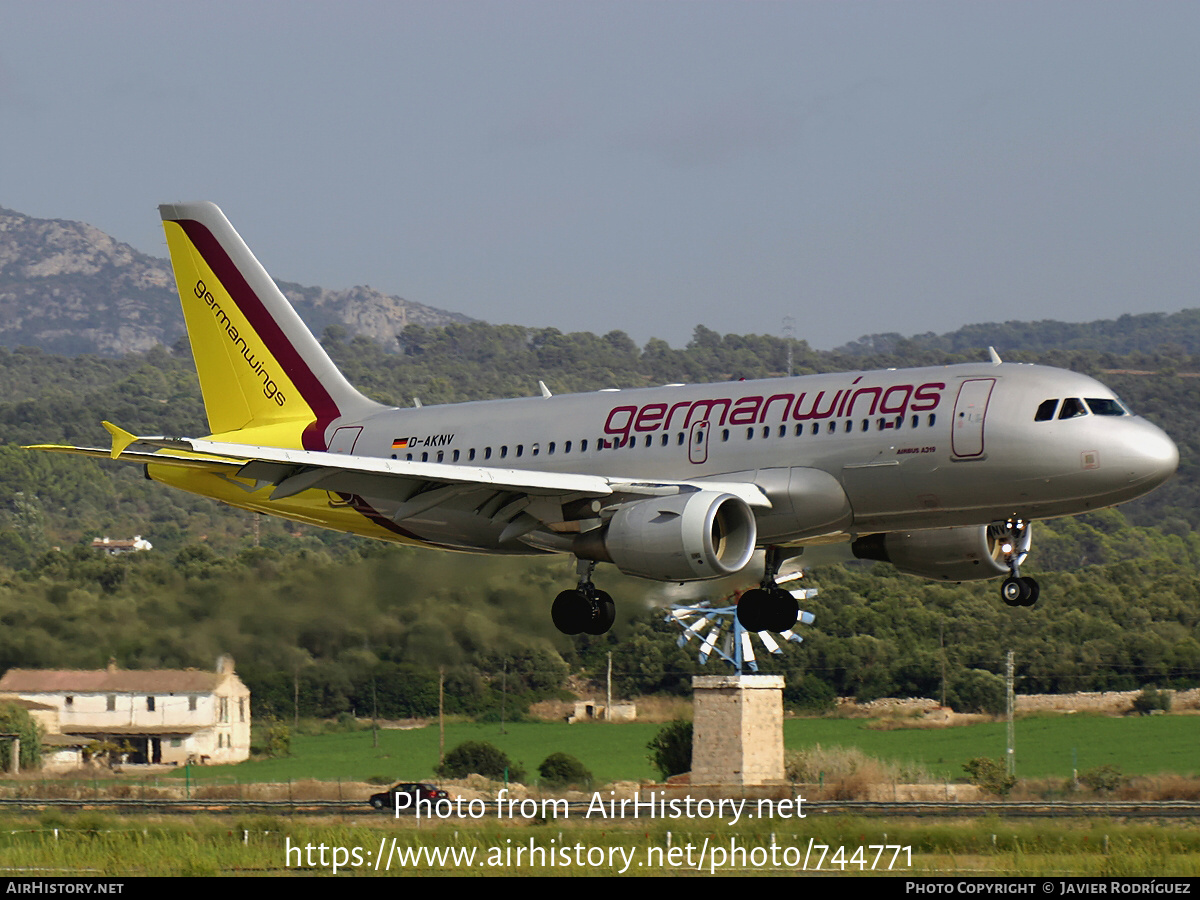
{"type": "Point", "coordinates": [165, 716]}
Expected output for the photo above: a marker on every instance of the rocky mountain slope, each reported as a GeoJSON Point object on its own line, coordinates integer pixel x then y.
{"type": "Point", "coordinates": [67, 287]}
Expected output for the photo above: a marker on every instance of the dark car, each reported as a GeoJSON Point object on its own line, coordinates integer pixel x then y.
{"type": "Point", "coordinates": [415, 791]}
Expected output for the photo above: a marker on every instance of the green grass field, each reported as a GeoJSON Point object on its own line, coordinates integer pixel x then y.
{"type": "Point", "coordinates": [94, 845]}
{"type": "Point", "coordinates": [1046, 747]}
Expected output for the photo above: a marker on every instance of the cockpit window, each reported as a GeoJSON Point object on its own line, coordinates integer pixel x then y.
{"type": "Point", "coordinates": [1072, 407]}
{"type": "Point", "coordinates": [1045, 412]}
{"type": "Point", "coordinates": [1103, 406]}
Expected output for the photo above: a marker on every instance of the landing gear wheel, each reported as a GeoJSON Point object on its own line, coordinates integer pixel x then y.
{"type": "Point", "coordinates": [571, 612]}
{"type": "Point", "coordinates": [1032, 591]}
{"type": "Point", "coordinates": [604, 613]}
{"type": "Point", "coordinates": [767, 609]}
{"type": "Point", "coordinates": [583, 611]}
{"type": "Point", "coordinates": [753, 609]}
{"type": "Point", "coordinates": [784, 610]}
{"type": "Point", "coordinates": [1019, 591]}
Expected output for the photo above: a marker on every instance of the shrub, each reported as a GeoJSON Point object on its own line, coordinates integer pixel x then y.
{"type": "Point", "coordinates": [990, 775]}
{"type": "Point", "coordinates": [1103, 779]}
{"type": "Point", "coordinates": [847, 773]}
{"type": "Point", "coordinates": [479, 758]}
{"type": "Point", "coordinates": [561, 769]}
{"type": "Point", "coordinates": [976, 691]}
{"type": "Point", "coordinates": [271, 738]}
{"type": "Point", "coordinates": [671, 749]}
{"type": "Point", "coordinates": [810, 694]}
{"type": "Point", "coordinates": [1151, 699]}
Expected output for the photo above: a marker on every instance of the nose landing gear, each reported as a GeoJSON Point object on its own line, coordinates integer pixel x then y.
{"type": "Point", "coordinates": [1016, 589]}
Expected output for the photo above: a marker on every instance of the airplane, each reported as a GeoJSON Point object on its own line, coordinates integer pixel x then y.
{"type": "Point", "coordinates": [939, 470]}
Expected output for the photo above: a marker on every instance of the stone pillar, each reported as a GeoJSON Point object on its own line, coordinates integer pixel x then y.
{"type": "Point", "coordinates": [737, 736]}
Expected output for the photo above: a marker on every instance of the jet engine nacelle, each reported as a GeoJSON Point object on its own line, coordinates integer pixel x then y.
{"type": "Point", "coordinates": [682, 537]}
{"type": "Point", "coordinates": [967, 553]}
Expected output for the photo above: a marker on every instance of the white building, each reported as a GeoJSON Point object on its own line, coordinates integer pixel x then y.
{"type": "Point", "coordinates": [168, 716]}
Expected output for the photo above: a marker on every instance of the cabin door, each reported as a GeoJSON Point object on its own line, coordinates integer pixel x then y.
{"type": "Point", "coordinates": [970, 408]}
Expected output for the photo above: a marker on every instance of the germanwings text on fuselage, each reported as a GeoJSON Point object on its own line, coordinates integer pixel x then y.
{"type": "Point", "coordinates": [897, 400]}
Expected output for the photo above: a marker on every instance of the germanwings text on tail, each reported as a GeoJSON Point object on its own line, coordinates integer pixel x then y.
{"type": "Point", "coordinates": [938, 470]}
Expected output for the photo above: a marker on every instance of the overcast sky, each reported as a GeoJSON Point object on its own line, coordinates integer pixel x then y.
{"type": "Point", "coordinates": [643, 166]}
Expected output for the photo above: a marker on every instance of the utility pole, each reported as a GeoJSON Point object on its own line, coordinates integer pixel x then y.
{"type": "Point", "coordinates": [441, 715]}
{"type": "Point", "coordinates": [942, 642]}
{"type": "Point", "coordinates": [608, 698]}
{"type": "Point", "coordinates": [503, 695]}
{"type": "Point", "coordinates": [1010, 702]}
{"type": "Point", "coordinates": [789, 335]}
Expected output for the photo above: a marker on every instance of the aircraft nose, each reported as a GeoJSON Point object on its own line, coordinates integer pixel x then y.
{"type": "Point", "coordinates": [1152, 455]}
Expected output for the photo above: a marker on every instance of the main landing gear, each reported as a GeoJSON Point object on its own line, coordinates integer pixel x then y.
{"type": "Point", "coordinates": [586, 609]}
{"type": "Point", "coordinates": [768, 607]}
{"type": "Point", "coordinates": [1016, 589]}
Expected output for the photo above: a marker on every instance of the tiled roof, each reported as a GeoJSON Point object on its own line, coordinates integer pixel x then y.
{"type": "Point", "coordinates": [83, 681]}
{"type": "Point", "coordinates": [84, 730]}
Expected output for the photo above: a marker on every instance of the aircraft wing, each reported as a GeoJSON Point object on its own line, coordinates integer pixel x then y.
{"type": "Point", "coordinates": [415, 486]}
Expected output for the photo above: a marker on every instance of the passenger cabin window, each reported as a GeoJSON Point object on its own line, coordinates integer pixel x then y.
{"type": "Point", "coordinates": [1045, 412]}
{"type": "Point", "coordinates": [1072, 407]}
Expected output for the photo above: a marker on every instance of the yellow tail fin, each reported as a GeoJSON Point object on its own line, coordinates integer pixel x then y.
{"type": "Point", "coordinates": [260, 368]}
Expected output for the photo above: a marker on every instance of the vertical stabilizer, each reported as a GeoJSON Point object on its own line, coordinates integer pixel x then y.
{"type": "Point", "coordinates": [260, 368]}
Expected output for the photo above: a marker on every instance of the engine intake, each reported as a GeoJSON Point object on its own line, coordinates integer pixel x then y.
{"type": "Point", "coordinates": [682, 537]}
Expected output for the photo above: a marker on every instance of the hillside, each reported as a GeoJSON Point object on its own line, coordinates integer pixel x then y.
{"type": "Point", "coordinates": [67, 287]}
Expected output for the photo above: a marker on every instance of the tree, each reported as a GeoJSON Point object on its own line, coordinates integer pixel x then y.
{"type": "Point", "coordinates": [15, 719]}
{"type": "Point", "coordinates": [977, 691]}
{"type": "Point", "coordinates": [671, 749]}
{"type": "Point", "coordinates": [480, 758]}
{"type": "Point", "coordinates": [990, 775]}
{"type": "Point", "coordinates": [561, 769]}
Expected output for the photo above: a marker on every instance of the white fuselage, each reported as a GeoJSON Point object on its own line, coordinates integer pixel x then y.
{"type": "Point", "coordinates": [839, 454]}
